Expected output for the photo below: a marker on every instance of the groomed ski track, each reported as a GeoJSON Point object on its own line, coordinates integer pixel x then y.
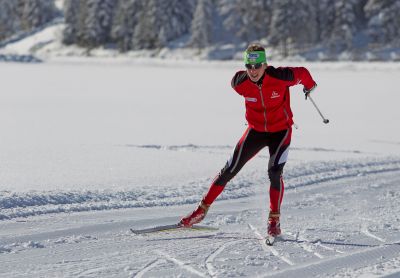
{"type": "Point", "coordinates": [336, 223]}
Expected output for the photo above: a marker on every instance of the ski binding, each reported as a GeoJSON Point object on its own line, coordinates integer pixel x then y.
{"type": "Point", "coordinates": [270, 240]}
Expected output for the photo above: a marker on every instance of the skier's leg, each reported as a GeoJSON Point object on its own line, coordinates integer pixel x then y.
{"type": "Point", "coordinates": [278, 148]}
{"type": "Point", "coordinates": [277, 187]}
{"type": "Point", "coordinates": [248, 146]}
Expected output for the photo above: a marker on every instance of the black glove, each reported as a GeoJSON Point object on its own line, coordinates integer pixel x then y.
{"type": "Point", "coordinates": [307, 92]}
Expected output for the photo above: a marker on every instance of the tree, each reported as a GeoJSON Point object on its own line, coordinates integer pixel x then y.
{"type": "Point", "coordinates": [35, 13]}
{"type": "Point", "coordinates": [98, 22]}
{"type": "Point", "coordinates": [248, 20]}
{"type": "Point", "coordinates": [145, 35]}
{"type": "Point", "coordinates": [201, 28]}
{"type": "Point", "coordinates": [9, 20]}
{"type": "Point", "coordinates": [73, 25]}
{"type": "Point", "coordinates": [383, 21]}
{"type": "Point", "coordinates": [292, 24]}
{"type": "Point", "coordinates": [24, 15]}
{"type": "Point", "coordinates": [325, 16]}
{"type": "Point", "coordinates": [161, 21]}
{"type": "Point", "coordinates": [125, 20]}
{"type": "Point", "coordinates": [345, 25]}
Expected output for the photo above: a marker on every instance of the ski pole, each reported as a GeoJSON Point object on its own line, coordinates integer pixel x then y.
{"type": "Point", "coordinates": [316, 107]}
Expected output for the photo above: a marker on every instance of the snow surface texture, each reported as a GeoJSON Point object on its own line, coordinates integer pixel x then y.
{"type": "Point", "coordinates": [92, 148]}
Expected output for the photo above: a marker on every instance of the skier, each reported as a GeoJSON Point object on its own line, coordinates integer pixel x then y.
{"type": "Point", "coordinates": [269, 117]}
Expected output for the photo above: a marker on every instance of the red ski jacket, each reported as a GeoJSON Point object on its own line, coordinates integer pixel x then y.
{"type": "Point", "coordinates": [268, 101]}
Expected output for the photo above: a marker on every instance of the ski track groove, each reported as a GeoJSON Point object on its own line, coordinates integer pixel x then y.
{"type": "Point", "coordinates": [210, 259]}
{"type": "Point", "coordinates": [332, 264]}
{"type": "Point", "coordinates": [318, 243]}
{"type": "Point", "coordinates": [308, 248]}
{"type": "Point", "coordinates": [267, 248]}
{"type": "Point", "coordinates": [323, 264]}
{"type": "Point", "coordinates": [366, 232]}
{"type": "Point", "coordinates": [305, 244]}
{"type": "Point", "coordinates": [329, 248]}
{"type": "Point", "coordinates": [148, 267]}
{"type": "Point", "coordinates": [181, 264]}
{"type": "Point", "coordinates": [333, 175]}
{"type": "Point", "coordinates": [49, 204]}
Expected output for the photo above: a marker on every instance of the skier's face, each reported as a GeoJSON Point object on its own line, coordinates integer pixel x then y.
{"type": "Point", "coordinates": [255, 72]}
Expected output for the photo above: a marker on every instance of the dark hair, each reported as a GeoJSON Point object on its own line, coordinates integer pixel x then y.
{"type": "Point", "coordinates": [255, 47]}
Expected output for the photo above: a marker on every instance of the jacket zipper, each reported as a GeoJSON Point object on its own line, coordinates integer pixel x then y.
{"type": "Point", "coordinates": [265, 110]}
{"type": "Point", "coordinates": [286, 114]}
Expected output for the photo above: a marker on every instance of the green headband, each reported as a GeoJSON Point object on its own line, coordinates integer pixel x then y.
{"type": "Point", "coordinates": [254, 57]}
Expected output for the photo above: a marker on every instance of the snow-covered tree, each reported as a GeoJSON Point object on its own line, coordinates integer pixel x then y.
{"type": "Point", "coordinates": [201, 28]}
{"type": "Point", "coordinates": [145, 34]}
{"type": "Point", "coordinates": [125, 19]}
{"type": "Point", "coordinates": [345, 25]}
{"type": "Point", "coordinates": [325, 16]}
{"type": "Point", "coordinates": [248, 20]}
{"type": "Point", "coordinates": [24, 15]}
{"type": "Point", "coordinates": [35, 13]}
{"type": "Point", "coordinates": [292, 25]}
{"type": "Point", "coordinates": [9, 20]}
{"type": "Point", "coordinates": [73, 21]}
{"type": "Point", "coordinates": [383, 20]}
{"type": "Point", "coordinates": [161, 21]}
{"type": "Point", "coordinates": [175, 16]}
{"type": "Point", "coordinates": [98, 22]}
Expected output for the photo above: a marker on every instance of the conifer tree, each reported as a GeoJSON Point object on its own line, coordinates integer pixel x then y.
{"type": "Point", "coordinates": [344, 25]}
{"type": "Point", "coordinates": [201, 27]}
{"type": "Point", "coordinates": [125, 19]}
{"type": "Point", "coordinates": [73, 25]}
{"type": "Point", "coordinates": [98, 22]}
{"type": "Point", "coordinates": [9, 20]}
{"type": "Point", "coordinates": [383, 21]}
{"type": "Point", "coordinates": [35, 13]}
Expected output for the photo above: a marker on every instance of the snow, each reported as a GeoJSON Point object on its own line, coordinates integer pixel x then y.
{"type": "Point", "coordinates": [91, 147]}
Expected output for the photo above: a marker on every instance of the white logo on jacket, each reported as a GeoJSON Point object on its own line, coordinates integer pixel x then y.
{"type": "Point", "coordinates": [275, 94]}
{"type": "Point", "coordinates": [251, 99]}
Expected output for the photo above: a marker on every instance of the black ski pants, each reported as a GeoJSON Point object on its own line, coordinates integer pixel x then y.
{"type": "Point", "coordinates": [249, 145]}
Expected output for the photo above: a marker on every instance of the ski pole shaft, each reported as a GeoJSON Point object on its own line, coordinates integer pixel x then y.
{"type": "Point", "coordinates": [316, 107]}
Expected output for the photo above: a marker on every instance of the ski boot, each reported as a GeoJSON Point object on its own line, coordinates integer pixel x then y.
{"type": "Point", "coordinates": [274, 226]}
{"type": "Point", "coordinates": [196, 216]}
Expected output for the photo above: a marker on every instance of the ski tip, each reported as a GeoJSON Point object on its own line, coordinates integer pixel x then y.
{"type": "Point", "coordinates": [134, 232]}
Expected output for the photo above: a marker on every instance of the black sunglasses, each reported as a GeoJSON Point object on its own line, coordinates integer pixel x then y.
{"type": "Point", "coordinates": [253, 66]}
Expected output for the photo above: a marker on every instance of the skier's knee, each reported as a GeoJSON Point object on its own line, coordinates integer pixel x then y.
{"type": "Point", "coordinates": [224, 176]}
{"type": "Point", "coordinates": [275, 174]}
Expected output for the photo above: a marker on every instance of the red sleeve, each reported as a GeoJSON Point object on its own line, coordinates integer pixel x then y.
{"type": "Point", "coordinates": [302, 76]}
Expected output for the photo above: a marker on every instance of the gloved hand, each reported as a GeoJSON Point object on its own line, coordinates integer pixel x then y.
{"type": "Point", "coordinates": [308, 91]}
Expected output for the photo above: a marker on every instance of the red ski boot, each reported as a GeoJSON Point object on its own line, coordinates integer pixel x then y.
{"type": "Point", "coordinates": [196, 216]}
{"type": "Point", "coordinates": [274, 226]}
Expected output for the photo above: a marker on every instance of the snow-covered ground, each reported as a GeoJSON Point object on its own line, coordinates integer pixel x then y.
{"type": "Point", "coordinates": [92, 147]}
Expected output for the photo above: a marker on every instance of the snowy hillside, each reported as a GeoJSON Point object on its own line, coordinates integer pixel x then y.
{"type": "Point", "coordinates": [91, 148]}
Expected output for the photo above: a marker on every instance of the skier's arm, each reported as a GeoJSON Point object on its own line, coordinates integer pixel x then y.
{"type": "Point", "coordinates": [303, 76]}
{"type": "Point", "coordinates": [238, 79]}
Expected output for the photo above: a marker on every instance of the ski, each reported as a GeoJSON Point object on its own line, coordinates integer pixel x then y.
{"type": "Point", "coordinates": [171, 227]}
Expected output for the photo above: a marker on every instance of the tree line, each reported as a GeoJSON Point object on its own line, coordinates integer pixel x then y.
{"type": "Point", "coordinates": [148, 24]}
{"type": "Point", "coordinates": [151, 24]}
{"type": "Point", "coordinates": [24, 15]}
